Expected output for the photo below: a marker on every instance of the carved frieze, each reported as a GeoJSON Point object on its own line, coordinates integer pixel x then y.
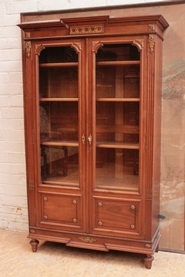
{"type": "Point", "coordinates": [88, 29]}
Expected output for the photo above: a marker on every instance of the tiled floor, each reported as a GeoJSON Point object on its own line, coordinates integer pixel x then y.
{"type": "Point", "coordinates": [57, 260]}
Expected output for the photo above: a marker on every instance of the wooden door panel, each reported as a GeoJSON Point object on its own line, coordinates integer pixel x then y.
{"type": "Point", "coordinates": [117, 216]}
{"type": "Point", "coordinates": [61, 210]}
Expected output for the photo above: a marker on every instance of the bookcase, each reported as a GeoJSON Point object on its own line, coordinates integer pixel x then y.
{"type": "Point", "coordinates": [92, 94]}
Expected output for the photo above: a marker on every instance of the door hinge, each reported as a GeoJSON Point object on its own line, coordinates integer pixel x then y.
{"type": "Point", "coordinates": [35, 215]}
{"type": "Point", "coordinates": [149, 194]}
{"type": "Point", "coordinates": [145, 141]}
{"type": "Point", "coordinates": [31, 184]}
{"type": "Point", "coordinates": [33, 136]}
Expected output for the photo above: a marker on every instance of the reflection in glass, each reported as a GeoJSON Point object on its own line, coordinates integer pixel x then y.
{"type": "Point", "coordinates": [117, 169]}
{"type": "Point", "coordinates": [117, 117]}
{"type": "Point", "coordinates": [118, 52]}
{"type": "Point", "coordinates": [59, 165]}
{"type": "Point", "coordinates": [58, 82]}
{"type": "Point", "coordinates": [58, 91]}
{"type": "Point", "coordinates": [59, 121]}
{"type": "Point", "coordinates": [117, 81]}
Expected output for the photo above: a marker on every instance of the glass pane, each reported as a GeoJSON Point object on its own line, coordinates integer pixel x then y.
{"type": "Point", "coordinates": [58, 55]}
{"type": "Point", "coordinates": [117, 81]}
{"type": "Point", "coordinates": [117, 117]}
{"type": "Point", "coordinates": [117, 122]}
{"type": "Point", "coordinates": [59, 82]}
{"type": "Point", "coordinates": [117, 140]}
{"type": "Point", "coordinates": [58, 89]}
{"type": "Point", "coordinates": [59, 121]}
{"type": "Point", "coordinates": [117, 169]}
{"type": "Point", "coordinates": [118, 52]}
{"type": "Point", "coordinates": [59, 165]}
{"type": "Point", "coordinates": [58, 73]}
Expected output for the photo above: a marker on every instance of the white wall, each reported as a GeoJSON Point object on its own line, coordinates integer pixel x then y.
{"type": "Point", "coordinates": [13, 203]}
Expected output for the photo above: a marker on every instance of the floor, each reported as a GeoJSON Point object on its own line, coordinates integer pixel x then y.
{"type": "Point", "coordinates": [57, 260]}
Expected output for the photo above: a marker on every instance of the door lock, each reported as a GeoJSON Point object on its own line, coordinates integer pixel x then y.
{"type": "Point", "coordinates": [90, 139]}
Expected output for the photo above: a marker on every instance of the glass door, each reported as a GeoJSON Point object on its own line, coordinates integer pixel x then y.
{"type": "Point", "coordinates": [59, 115]}
{"type": "Point", "coordinates": [117, 112]}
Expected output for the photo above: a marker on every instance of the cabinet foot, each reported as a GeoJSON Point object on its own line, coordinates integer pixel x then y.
{"type": "Point", "coordinates": [34, 243]}
{"type": "Point", "coordinates": [148, 261]}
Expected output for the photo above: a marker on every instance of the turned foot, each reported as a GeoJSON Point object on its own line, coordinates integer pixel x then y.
{"type": "Point", "coordinates": [34, 244]}
{"type": "Point", "coordinates": [148, 261]}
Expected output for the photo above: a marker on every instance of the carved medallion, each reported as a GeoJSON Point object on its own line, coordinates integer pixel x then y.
{"type": "Point", "coordinates": [27, 34]}
{"type": "Point", "coordinates": [151, 27]}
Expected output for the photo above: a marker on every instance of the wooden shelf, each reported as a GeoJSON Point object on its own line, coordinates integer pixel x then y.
{"type": "Point", "coordinates": [120, 145]}
{"type": "Point", "coordinates": [103, 99]}
{"type": "Point", "coordinates": [58, 99]}
{"type": "Point", "coordinates": [64, 64]}
{"type": "Point", "coordinates": [64, 183]}
{"type": "Point", "coordinates": [117, 145]}
{"type": "Point", "coordinates": [117, 63]}
{"type": "Point", "coordinates": [59, 143]}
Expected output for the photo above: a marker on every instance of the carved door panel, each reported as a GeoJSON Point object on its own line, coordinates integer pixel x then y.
{"type": "Point", "coordinates": [119, 216]}
{"type": "Point", "coordinates": [61, 210]}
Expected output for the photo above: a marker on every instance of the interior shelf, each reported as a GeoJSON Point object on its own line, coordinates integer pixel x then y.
{"type": "Point", "coordinates": [58, 181]}
{"type": "Point", "coordinates": [107, 99]}
{"type": "Point", "coordinates": [64, 64]}
{"type": "Point", "coordinates": [117, 145]}
{"type": "Point", "coordinates": [118, 63]}
{"type": "Point", "coordinates": [58, 99]}
{"type": "Point", "coordinates": [59, 143]}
